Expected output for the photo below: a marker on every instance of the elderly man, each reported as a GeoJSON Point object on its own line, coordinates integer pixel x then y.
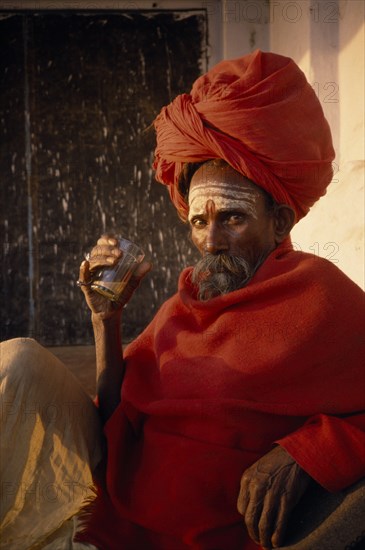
{"type": "Point", "coordinates": [252, 366]}
{"type": "Point", "coordinates": [245, 388]}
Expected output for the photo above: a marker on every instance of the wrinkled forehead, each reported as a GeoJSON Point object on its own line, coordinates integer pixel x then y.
{"type": "Point", "coordinates": [225, 195]}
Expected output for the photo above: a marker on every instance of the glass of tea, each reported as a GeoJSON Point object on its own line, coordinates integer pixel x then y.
{"type": "Point", "coordinates": [111, 281]}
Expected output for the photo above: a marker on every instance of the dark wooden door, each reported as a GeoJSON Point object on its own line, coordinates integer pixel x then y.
{"type": "Point", "coordinates": [78, 91]}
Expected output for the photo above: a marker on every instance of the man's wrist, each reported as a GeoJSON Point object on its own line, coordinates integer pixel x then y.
{"type": "Point", "coordinates": [101, 320]}
{"type": "Point", "coordinates": [106, 329]}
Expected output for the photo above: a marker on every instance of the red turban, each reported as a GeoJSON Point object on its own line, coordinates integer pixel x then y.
{"type": "Point", "coordinates": [260, 115]}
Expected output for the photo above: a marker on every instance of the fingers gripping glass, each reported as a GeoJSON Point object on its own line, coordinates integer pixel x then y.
{"type": "Point", "coordinates": [111, 281]}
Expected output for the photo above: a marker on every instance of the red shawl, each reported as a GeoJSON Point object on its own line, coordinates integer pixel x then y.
{"type": "Point", "coordinates": [210, 386]}
{"type": "Point", "coordinates": [260, 115]}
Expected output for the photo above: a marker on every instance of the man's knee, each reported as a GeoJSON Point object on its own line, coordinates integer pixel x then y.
{"type": "Point", "coordinates": [23, 364]}
{"type": "Point", "coordinates": [19, 354]}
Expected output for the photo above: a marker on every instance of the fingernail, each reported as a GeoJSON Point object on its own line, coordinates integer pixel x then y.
{"type": "Point", "coordinates": [110, 260]}
{"type": "Point", "coordinates": [112, 241]}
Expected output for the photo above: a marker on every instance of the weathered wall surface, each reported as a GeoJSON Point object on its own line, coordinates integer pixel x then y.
{"type": "Point", "coordinates": [78, 163]}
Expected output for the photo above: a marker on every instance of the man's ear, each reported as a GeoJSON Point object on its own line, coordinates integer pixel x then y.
{"type": "Point", "coordinates": [284, 220]}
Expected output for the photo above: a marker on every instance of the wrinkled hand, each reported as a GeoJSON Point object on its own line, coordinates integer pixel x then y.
{"type": "Point", "coordinates": [106, 253]}
{"type": "Point", "coordinates": [270, 489]}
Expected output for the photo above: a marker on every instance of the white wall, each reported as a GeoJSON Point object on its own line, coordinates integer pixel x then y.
{"type": "Point", "coordinates": [326, 39]}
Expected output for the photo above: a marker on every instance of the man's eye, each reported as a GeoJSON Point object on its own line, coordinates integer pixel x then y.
{"type": "Point", "coordinates": [198, 222]}
{"type": "Point", "coordinates": [235, 218]}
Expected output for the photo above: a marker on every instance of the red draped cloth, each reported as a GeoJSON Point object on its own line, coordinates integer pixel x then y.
{"type": "Point", "coordinates": [260, 115]}
{"type": "Point", "coordinates": [211, 386]}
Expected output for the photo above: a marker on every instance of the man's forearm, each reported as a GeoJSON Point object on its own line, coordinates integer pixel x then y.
{"type": "Point", "coordinates": [109, 364]}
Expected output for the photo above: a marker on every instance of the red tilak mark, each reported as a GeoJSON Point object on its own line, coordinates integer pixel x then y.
{"type": "Point", "coordinates": [210, 207]}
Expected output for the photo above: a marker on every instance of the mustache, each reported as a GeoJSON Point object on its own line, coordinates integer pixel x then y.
{"type": "Point", "coordinates": [217, 263]}
{"type": "Point", "coordinates": [217, 274]}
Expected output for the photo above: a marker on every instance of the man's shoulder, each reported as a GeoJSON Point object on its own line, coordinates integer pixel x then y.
{"type": "Point", "coordinates": [313, 271]}
{"type": "Point", "coordinates": [287, 271]}
{"type": "Point", "coordinates": [325, 268]}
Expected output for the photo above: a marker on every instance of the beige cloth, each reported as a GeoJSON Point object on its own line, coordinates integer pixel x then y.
{"type": "Point", "coordinates": [328, 521]}
{"type": "Point", "coordinates": [51, 440]}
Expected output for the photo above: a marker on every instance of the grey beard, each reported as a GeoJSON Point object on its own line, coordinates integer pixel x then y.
{"type": "Point", "coordinates": [218, 274]}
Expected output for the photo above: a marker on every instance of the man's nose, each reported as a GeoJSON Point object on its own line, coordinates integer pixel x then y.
{"type": "Point", "coordinates": [216, 241]}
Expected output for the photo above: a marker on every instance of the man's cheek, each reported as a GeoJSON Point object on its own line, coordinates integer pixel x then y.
{"type": "Point", "coordinates": [198, 241]}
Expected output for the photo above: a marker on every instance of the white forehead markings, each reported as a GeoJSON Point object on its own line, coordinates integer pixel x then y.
{"type": "Point", "coordinates": [226, 196]}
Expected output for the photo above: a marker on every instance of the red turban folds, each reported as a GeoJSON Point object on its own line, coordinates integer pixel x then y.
{"type": "Point", "coordinates": [260, 115]}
